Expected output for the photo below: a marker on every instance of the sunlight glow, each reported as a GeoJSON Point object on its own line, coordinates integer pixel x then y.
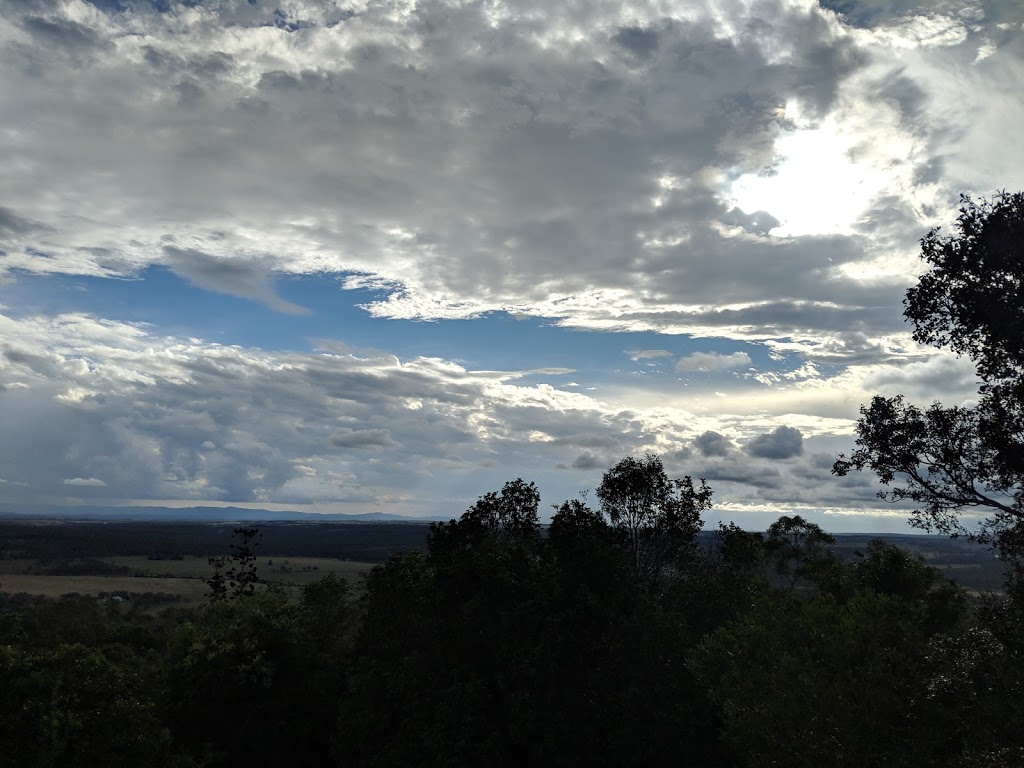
{"type": "Point", "coordinates": [809, 162]}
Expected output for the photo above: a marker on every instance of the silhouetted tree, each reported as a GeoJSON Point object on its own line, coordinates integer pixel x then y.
{"type": "Point", "coordinates": [658, 518]}
{"type": "Point", "coordinates": [796, 546]}
{"type": "Point", "coordinates": [508, 516]}
{"type": "Point", "coordinates": [235, 575]}
{"type": "Point", "coordinates": [948, 459]}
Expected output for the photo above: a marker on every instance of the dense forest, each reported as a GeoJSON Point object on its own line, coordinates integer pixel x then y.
{"type": "Point", "coordinates": [609, 637]}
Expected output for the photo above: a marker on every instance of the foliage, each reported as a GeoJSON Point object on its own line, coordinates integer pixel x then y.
{"type": "Point", "coordinates": [235, 576]}
{"type": "Point", "coordinates": [254, 682]}
{"type": "Point", "coordinates": [502, 649]}
{"type": "Point", "coordinates": [796, 547]}
{"type": "Point", "coordinates": [974, 687]}
{"type": "Point", "coordinates": [508, 517]}
{"type": "Point", "coordinates": [950, 459]}
{"type": "Point", "coordinates": [740, 551]}
{"type": "Point", "coordinates": [75, 706]}
{"type": "Point", "coordinates": [815, 683]}
{"type": "Point", "coordinates": [659, 518]}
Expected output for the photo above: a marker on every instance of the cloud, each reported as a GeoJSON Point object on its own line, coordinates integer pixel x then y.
{"type": "Point", "coordinates": [363, 438]}
{"type": "Point", "coordinates": [712, 444]}
{"type": "Point", "coordinates": [647, 354]}
{"type": "Point", "coordinates": [781, 443]}
{"type": "Point", "coordinates": [926, 379]}
{"type": "Point", "coordinates": [595, 165]}
{"type": "Point", "coordinates": [588, 441]}
{"type": "Point", "coordinates": [13, 224]}
{"type": "Point", "coordinates": [90, 398]}
{"type": "Point", "coordinates": [587, 460]}
{"type": "Point", "coordinates": [575, 164]}
{"type": "Point", "coordinates": [233, 276]}
{"type": "Point", "coordinates": [86, 482]}
{"type": "Point", "coordinates": [705, 362]}
{"type": "Point", "coordinates": [170, 418]}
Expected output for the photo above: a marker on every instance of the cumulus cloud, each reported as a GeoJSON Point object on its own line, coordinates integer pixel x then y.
{"type": "Point", "coordinates": [781, 443]}
{"type": "Point", "coordinates": [607, 167]}
{"type": "Point", "coordinates": [706, 362]}
{"type": "Point", "coordinates": [925, 379]}
{"type": "Point", "coordinates": [575, 163]}
{"type": "Point", "coordinates": [171, 418]}
{"type": "Point", "coordinates": [712, 444]}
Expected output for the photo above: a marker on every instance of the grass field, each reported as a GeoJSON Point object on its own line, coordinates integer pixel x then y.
{"type": "Point", "coordinates": [191, 590]}
{"type": "Point", "coordinates": [180, 577]}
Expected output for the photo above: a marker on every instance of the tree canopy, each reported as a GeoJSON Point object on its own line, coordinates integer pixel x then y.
{"type": "Point", "coordinates": [657, 517]}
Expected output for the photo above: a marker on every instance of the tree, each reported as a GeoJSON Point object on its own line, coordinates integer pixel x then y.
{"type": "Point", "coordinates": [951, 459]}
{"type": "Point", "coordinates": [657, 517]}
{"type": "Point", "coordinates": [805, 681]}
{"type": "Point", "coordinates": [796, 546]}
{"type": "Point", "coordinates": [254, 682]}
{"type": "Point", "coordinates": [739, 550]}
{"type": "Point", "coordinates": [76, 706]}
{"type": "Point", "coordinates": [510, 516]}
{"type": "Point", "coordinates": [236, 576]}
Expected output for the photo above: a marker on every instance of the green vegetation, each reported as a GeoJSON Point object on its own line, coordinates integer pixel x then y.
{"type": "Point", "coordinates": [614, 638]}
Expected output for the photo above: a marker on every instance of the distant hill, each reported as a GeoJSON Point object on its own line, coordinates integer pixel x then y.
{"type": "Point", "coordinates": [198, 515]}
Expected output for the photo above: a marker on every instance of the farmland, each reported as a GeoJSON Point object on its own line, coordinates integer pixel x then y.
{"type": "Point", "coordinates": [184, 579]}
{"type": "Point", "coordinates": [171, 561]}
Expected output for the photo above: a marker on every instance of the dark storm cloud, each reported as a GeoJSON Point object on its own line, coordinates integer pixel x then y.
{"type": "Point", "coordinates": [363, 438]}
{"type": "Point", "coordinates": [588, 441]}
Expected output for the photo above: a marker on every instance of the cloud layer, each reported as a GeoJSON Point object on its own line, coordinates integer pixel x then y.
{"type": "Point", "coordinates": [748, 170]}
{"type": "Point", "coordinates": [575, 163]}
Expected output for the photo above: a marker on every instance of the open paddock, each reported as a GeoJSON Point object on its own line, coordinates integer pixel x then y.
{"type": "Point", "coordinates": [190, 590]}
{"type": "Point", "coordinates": [185, 577]}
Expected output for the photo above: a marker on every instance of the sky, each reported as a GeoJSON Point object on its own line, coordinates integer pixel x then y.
{"type": "Point", "coordinates": [384, 256]}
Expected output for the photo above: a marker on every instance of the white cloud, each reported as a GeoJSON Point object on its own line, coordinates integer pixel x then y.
{"type": "Point", "coordinates": [305, 428]}
{"type": "Point", "coordinates": [647, 354]}
{"type": "Point", "coordinates": [705, 362]}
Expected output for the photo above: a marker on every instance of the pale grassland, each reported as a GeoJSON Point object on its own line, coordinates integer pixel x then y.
{"type": "Point", "coordinates": [292, 570]}
{"type": "Point", "coordinates": [180, 577]}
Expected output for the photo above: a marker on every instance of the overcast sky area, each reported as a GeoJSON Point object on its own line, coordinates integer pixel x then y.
{"type": "Point", "coordinates": [385, 256]}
